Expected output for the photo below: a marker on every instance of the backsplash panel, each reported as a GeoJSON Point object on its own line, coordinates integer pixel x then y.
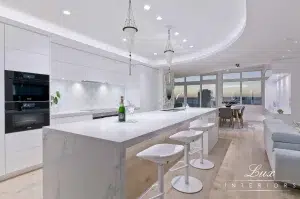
{"type": "Point", "coordinates": [85, 95]}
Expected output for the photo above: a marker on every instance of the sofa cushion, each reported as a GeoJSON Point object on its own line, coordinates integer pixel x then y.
{"type": "Point", "coordinates": [284, 145]}
{"type": "Point", "coordinates": [284, 133]}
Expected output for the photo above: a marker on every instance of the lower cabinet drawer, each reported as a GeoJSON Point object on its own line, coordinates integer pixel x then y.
{"type": "Point", "coordinates": [64, 120]}
{"type": "Point", "coordinates": [17, 160]}
{"type": "Point", "coordinates": [23, 140]}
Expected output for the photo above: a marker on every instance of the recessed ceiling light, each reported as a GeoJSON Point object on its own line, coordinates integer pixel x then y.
{"type": "Point", "coordinates": [289, 50]}
{"type": "Point", "coordinates": [185, 40]}
{"type": "Point", "coordinates": [124, 39]}
{"type": "Point", "coordinates": [283, 56]}
{"type": "Point", "coordinates": [147, 7]}
{"type": "Point", "coordinates": [191, 46]}
{"type": "Point", "coordinates": [176, 33]}
{"type": "Point", "coordinates": [62, 78]}
{"type": "Point", "coordinates": [155, 53]}
{"type": "Point", "coordinates": [66, 12]}
{"type": "Point", "coordinates": [295, 42]}
{"type": "Point", "coordinates": [158, 18]}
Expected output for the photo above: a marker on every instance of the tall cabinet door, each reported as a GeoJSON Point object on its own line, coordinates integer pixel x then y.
{"type": "Point", "coordinates": [2, 118]}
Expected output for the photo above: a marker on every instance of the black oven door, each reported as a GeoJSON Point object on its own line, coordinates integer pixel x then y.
{"type": "Point", "coordinates": [21, 86]}
{"type": "Point", "coordinates": [26, 116]}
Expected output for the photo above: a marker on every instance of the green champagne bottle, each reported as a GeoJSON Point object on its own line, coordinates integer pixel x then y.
{"type": "Point", "coordinates": [122, 116]}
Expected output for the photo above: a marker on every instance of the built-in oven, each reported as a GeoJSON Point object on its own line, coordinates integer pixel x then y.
{"type": "Point", "coordinates": [23, 86]}
{"type": "Point", "coordinates": [23, 116]}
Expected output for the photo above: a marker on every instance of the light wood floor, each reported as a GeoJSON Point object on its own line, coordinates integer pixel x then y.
{"type": "Point", "coordinates": [236, 150]}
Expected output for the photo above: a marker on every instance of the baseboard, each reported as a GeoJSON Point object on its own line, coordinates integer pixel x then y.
{"type": "Point", "coordinates": [20, 172]}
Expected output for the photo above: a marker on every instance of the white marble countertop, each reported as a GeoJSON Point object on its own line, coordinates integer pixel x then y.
{"type": "Point", "coordinates": [70, 114]}
{"type": "Point", "coordinates": [138, 127]}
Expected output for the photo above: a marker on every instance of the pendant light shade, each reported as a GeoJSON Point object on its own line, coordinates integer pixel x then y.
{"type": "Point", "coordinates": [169, 52]}
{"type": "Point", "coordinates": [130, 29]}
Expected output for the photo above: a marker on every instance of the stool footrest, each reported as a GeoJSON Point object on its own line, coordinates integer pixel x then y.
{"type": "Point", "coordinates": [180, 162]}
{"type": "Point", "coordinates": [157, 196]}
{"type": "Point", "coordinates": [145, 193]}
{"type": "Point", "coordinates": [198, 149]}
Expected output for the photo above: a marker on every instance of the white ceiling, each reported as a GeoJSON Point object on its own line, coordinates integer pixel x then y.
{"type": "Point", "coordinates": [260, 32]}
{"type": "Point", "coordinates": [207, 25]}
{"type": "Point", "coordinates": [269, 37]}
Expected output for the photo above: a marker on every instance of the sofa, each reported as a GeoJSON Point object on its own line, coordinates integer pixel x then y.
{"type": "Point", "coordinates": [282, 144]}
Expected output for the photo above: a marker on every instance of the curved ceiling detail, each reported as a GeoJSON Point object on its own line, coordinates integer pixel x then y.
{"type": "Point", "coordinates": [208, 26]}
{"type": "Point", "coordinates": [215, 48]}
{"type": "Point", "coordinates": [204, 53]}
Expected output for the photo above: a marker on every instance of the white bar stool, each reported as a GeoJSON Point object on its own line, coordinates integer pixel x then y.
{"type": "Point", "coordinates": [161, 154]}
{"type": "Point", "coordinates": [186, 183]}
{"type": "Point", "coordinates": [201, 163]}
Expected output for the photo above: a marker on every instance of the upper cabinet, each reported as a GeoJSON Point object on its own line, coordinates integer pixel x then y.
{"type": "Point", "coordinates": [26, 51]}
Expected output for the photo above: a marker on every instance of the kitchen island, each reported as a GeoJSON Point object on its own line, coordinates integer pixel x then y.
{"type": "Point", "coordinates": [88, 159]}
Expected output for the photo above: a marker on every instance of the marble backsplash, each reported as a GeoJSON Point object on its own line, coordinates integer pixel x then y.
{"type": "Point", "coordinates": [85, 95]}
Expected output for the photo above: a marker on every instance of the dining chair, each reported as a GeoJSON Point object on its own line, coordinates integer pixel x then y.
{"type": "Point", "coordinates": [240, 115]}
{"type": "Point", "coordinates": [225, 114]}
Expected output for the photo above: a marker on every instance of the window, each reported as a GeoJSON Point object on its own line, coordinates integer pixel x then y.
{"type": "Point", "coordinates": [251, 92]}
{"type": "Point", "coordinates": [179, 79]}
{"type": "Point", "coordinates": [232, 76]}
{"type": "Point", "coordinates": [252, 74]}
{"type": "Point", "coordinates": [208, 95]}
{"type": "Point", "coordinates": [193, 95]}
{"type": "Point", "coordinates": [209, 77]}
{"type": "Point", "coordinates": [193, 79]}
{"type": "Point", "coordinates": [231, 91]}
{"type": "Point", "coordinates": [268, 73]}
{"type": "Point", "coordinates": [179, 96]}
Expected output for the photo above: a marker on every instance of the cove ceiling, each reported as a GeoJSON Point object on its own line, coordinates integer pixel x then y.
{"type": "Point", "coordinates": [208, 25]}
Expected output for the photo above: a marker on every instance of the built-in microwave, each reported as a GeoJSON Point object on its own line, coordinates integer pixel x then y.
{"type": "Point", "coordinates": [23, 116]}
{"type": "Point", "coordinates": [23, 86]}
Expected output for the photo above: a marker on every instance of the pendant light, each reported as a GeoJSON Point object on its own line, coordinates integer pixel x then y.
{"type": "Point", "coordinates": [169, 52]}
{"type": "Point", "coordinates": [130, 29]}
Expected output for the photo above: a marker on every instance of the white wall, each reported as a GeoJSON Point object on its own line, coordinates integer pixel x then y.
{"type": "Point", "coordinates": [2, 115]}
{"type": "Point", "coordinates": [77, 95]}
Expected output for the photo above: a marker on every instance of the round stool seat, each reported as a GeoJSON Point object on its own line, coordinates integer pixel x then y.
{"type": "Point", "coordinates": [201, 126]}
{"type": "Point", "coordinates": [187, 136]}
{"type": "Point", "coordinates": [161, 153]}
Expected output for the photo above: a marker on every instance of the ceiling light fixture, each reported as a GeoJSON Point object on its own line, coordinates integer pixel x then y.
{"type": "Point", "coordinates": [295, 42]}
{"type": "Point", "coordinates": [283, 56]}
{"type": "Point", "coordinates": [147, 7]}
{"type": "Point", "coordinates": [130, 29]}
{"type": "Point", "coordinates": [191, 46]}
{"type": "Point", "coordinates": [66, 12]}
{"type": "Point", "coordinates": [169, 52]}
{"type": "Point", "coordinates": [289, 50]}
{"type": "Point", "coordinates": [185, 40]}
{"type": "Point", "coordinates": [176, 33]}
{"type": "Point", "coordinates": [155, 54]}
{"type": "Point", "coordinates": [159, 18]}
{"type": "Point", "coordinates": [124, 39]}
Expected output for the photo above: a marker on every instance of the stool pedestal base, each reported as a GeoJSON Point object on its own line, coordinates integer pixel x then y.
{"type": "Point", "coordinates": [196, 163]}
{"type": "Point", "coordinates": [193, 186]}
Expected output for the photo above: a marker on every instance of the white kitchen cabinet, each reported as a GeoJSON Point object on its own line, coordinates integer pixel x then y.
{"type": "Point", "coordinates": [17, 60]}
{"type": "Point", "coordinates": [2, 116]}
{"type": "Point", "coordinates": [18, 38]}
{"type": "Point", "coordinates": [19, 160]}
{"type": "Point", "coordinates": [26, 51]}
{"type": "Point", "coordinates": [23, 150]}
